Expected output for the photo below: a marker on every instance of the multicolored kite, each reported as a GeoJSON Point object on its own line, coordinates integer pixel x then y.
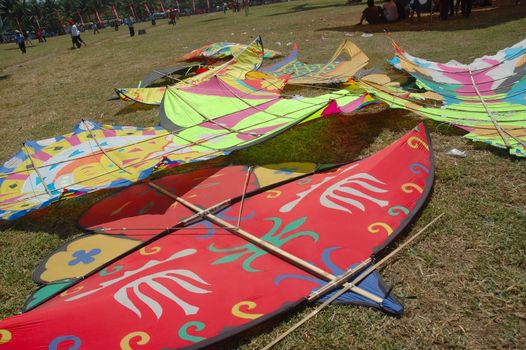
{"type": "Point", "coordinates": [91, 158]}
{"type": "Point", "coordinates": [218, 51]}
{"type": "Point", "coordinates": [255, 106]}
{"type": "Point", "coordinates": [227, 249]}
{"type": "Point", "coordinates": [486, 97]}
{"type": "Point", "coordinates": [346, 61]}
{"type": "Point", "coordinates": [247, 60]}
{"type": "Point", "coordinates": [96, 157]}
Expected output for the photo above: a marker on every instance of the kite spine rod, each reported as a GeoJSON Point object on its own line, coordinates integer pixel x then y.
{"type": "Point", "coordinates": [36, 170]}
{"type": "Point", "coordinates": [278, 252]}
{"type": "Point", "coordinates": [102, 149]}
{"type": "Point", "coordinates": [166, 75]}
{"type": "Point", "coordinates": [245, 186]}
{"type": "Point", "coordinates": [357, 280]}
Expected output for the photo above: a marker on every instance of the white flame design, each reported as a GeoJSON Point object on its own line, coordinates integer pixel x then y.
{"type": "Point", "coordinates": [151, 280]}
{"type": "Point", "coordinates": [329, 196]}
{"type": "Point", "coordinates": [122, 294]}
{"type": "Point", "coordinates": [351, 186]}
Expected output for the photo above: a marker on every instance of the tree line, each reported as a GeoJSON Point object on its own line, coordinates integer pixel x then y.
{"type": "Point", "coordinates": [53, 15]}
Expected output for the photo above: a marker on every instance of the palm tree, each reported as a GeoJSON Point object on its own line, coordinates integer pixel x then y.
{"type": "Point", "coordinates": [14, 11]}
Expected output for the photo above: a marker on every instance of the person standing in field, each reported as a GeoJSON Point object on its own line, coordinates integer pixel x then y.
{"type": "Point", "coordinates": [465, 6]}
{"type": "Point", "coordinates": [172, 16]}
{"type": "Point", "coordinates": [130, 22]}
{"type": "Point", "coordinates": [390, 11]}
{"type": "Point", "coordinates": [21, 41]}
{"type": "Point", "coordinates": [95, 28]}
{"type": "Point", "coordinates": [246, 6]}
{"type": "Point", "coordinates": [26, 36]}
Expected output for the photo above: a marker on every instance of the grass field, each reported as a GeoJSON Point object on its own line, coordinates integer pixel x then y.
{"type": "Point", "coordinates": [463, 284]}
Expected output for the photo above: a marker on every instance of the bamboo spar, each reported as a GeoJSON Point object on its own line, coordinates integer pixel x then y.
{"type": "Point", "coordinates": [278, 252]}
{"type": "Point", "coordinates": [359, 278]}
{"type": "Point", "coordinates": [36, 170]}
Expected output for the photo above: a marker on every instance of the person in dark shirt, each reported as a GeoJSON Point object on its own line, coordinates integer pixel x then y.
{"type": "Point", "coordinates": [372, 14]}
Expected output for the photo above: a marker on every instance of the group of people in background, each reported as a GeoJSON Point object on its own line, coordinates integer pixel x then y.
{"type": "Point", "coordinates": [394, 10]}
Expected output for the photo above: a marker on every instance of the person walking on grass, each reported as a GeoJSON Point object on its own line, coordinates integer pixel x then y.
{"type": "Point", "coordinates": [21, 41]}
{"type": "Point", "coordinates": [75, 35]}
{"type": "Point", "coordinates": [172, 17]}
{"type": "Point", "coordinates": [26, 37]}
{"type": "Point", "coordinates": [130, 23]}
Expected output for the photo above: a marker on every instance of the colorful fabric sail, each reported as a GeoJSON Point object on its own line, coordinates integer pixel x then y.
{"type": "Point", "coordinates": [176, 290]}
{"type": "Point", "coordinates": [346, 61]}
{"type": "Point", "coordinates": [96, 157]}
{"type": "Point", "coordinates": [91, 158]}
{"type": "Point", "coordinates": [222, 50]}
{"type": "Point", "coordinates": [95, 250]}
{"type": "Point", "coordinates": [247, 60]}
{"type": "Point", "coordinates": [249, 108]}
{"type": "Point", "coordinates": [486, 97]}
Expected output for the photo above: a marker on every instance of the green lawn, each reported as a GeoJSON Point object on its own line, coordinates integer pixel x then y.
{"type": "Point", "coordinates": [463, 284]}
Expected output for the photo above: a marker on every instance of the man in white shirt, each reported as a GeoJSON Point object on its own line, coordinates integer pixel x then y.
{"type": "Point", "coordinates": [74, 31]}
{"type": "Point", "coordinates": [75, 35]}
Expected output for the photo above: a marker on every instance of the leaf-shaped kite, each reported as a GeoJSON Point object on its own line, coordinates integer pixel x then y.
{"type": "Point", "coordinates": [229, 266]}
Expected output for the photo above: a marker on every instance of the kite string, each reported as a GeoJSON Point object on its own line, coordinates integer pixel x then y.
{"type": "Point", "coordinates": [493, 120]}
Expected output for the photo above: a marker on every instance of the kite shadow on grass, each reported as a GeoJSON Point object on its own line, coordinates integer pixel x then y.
{"type": "Point", "coordinates": [332, 140]}
{"type": "Point", "coordinates": [16, 48]}
{"type": "Point", "coordinates": [135, 107]}
{"type": "Point", "coordinates": [480, 18]}
{"type": "Point", "coordinates": [4, 77]}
